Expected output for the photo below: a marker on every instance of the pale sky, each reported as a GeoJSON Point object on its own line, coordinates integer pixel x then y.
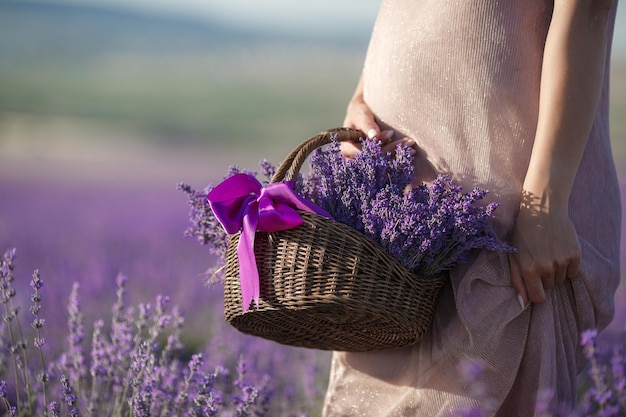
{"type": "Point", "coordinates": [297, 15]}
{"type": "Point", "coordinates": [279, 14]}
{"type": "Point", "coordinates": [303, 15]}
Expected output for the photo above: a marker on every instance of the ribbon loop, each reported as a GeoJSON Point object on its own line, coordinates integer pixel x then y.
{"type": "Point", "coordinates": [242, 203]}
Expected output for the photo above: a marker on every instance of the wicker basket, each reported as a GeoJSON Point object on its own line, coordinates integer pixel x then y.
{"type": "Point", "coordinates": [327, 286]}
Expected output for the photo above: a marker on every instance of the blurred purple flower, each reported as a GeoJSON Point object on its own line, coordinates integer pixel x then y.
{"type": "Point", "coordinates": [603, 398]}
{"type": "Point", "coordinates": [618, 376]}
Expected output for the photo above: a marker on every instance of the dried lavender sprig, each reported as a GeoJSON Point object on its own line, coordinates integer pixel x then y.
{"type": "Point", "coordinates": [99, 370]}
{"type": "Point", "coordinates": [123, 342]}
{"type": "Point", "coordinates": [183, 396]}
{"type": "Point", "coordinates": [69, 397]}
{"type": "Point", "coordinates": [248, 395]}
{"type": "Point", "coordinates": [122, 336]}
{"type": "Point", "coordinates": [174, 344]}
{"type": "Point", "coordinates": [138, 361]}
{"type": "Point", "coordinates": [206, 403]}
{"type": "Point", "coordinates": [73, 361]}
{"type": "Point", "coordinates": [267, 171]}
{"type": "Point", "coordinates": [39, 341]}
{"type": "Point", "coordinates": [161, 319]}
{"type": "Point", "coordinates": [142, 400]}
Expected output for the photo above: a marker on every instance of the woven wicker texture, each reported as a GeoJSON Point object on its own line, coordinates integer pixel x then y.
{"type": "Point", "coordinates": [326, 286]}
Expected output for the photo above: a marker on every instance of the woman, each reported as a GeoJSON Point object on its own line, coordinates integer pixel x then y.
{"type": "Point", "coordinates": [510, 96]}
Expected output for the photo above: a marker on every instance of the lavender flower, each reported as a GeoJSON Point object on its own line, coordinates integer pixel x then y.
{"type": "Point", "coordinates": [206, 403]}
{"type": "Point", "coordinates": [3, 394]}
{"type": "Point", "coordinates": [100, 367]}
{"type": "Point", "coordinates": [183, 395]}
{"type": "Point", "coordinates": [37, 323]}
{"type": "Point", "coordinates": [142, 400]}
{"type": "Point", "coordinates": [248, 394]}
{"type": "Point", "coordinates": [600, 399]}
{"type": "Point", "coordinates": [74, 362]}
{"type": "Point", "coordinates": [55, 410]}
{"type": "Point", "coordinates": [618, 373]}
{"type": "Point", "coordinates": [69, 396]}
{"type": "Point", "coordinates": [543, 403]}
{"type": "Point", "coordinates": [174, 345]}
{"type": "Point", "coordinates": [471, 373]}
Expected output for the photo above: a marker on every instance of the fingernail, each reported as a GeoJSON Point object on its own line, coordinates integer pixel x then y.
{"type": "Point", "coordinates": [409, 142]}
{"type": "Point", "coordinates": [371, 133]}
{"type": "Point", "coordinates": [389, 134]}
{"type": "Point", "coordinates": [521, 301]}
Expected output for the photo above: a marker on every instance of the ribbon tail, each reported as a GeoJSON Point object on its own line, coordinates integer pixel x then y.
{"type": "Point", "coordinates": [248, 271]}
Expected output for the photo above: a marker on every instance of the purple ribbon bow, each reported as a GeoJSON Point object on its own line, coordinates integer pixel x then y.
{"type": "Point", "coordinates": [242, 203]}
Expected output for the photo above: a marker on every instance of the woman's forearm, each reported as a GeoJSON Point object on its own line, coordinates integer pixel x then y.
{"type": "Point", "coordinates": [571, 82]}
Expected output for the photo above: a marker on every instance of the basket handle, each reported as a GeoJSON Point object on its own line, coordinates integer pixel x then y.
{"type": "Point", "coordinates": [290, 167]}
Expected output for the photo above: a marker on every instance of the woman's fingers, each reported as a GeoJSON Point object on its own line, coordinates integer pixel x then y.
{"type": "Point", "coordinates": [548, 251]}
{"type": "Point", "coordinates": [386, 137]}
{"type": "Point", "coordinates": [359, 116]}
{"type": "Point", "coordinates": [535, 288]}
{"type": "Point", "coordinates": [517, 282]}
{"type": "Point", "coordinates": [573, 268]}
{"type": "Point", "coordinates": [560, 272]}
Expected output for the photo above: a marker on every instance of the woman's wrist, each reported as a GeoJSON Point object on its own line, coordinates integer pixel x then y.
{"type": "Point", "coordinates": [544, 195]}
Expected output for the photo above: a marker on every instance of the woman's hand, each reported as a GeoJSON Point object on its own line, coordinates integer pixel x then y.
{"type": "Point", "coordinates": [548, 249]}
{"type": "Point", "coordinates": [360, 116]}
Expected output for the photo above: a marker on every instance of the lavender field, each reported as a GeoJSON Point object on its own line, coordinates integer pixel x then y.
{"type": "Point", "coordinates": [85, 224]}
{"type": "Point", "coordinates": [86, 230]}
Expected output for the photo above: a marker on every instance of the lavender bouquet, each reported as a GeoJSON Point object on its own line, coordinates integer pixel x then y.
{"type": "Point", "coordinates": [428, 228]}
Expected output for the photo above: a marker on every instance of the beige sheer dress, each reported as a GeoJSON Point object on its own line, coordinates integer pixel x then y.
{"type": "Point", "coordinates": [462, 79]}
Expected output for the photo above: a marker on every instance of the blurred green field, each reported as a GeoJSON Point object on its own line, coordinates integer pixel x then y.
{"type": "Point", "coordinates": [197, 100]}
{"type": "Point", "coordinates": [227, 102]}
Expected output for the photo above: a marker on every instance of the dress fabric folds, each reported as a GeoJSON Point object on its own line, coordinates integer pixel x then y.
{"type": "Point", "coordinates": [462, 79]}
